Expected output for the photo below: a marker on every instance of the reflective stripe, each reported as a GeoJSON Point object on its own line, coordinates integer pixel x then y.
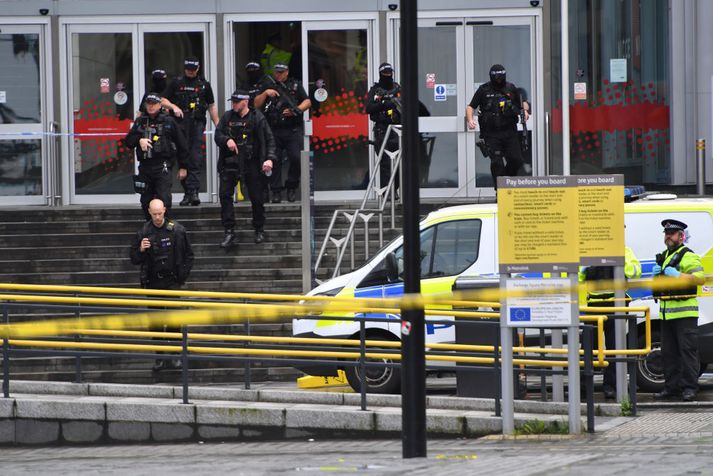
{"type": "Point", "coordinates": [694, 270]}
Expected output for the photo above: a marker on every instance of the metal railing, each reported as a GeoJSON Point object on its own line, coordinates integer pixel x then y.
{"type": "Point", "coordinates": [384, 194]}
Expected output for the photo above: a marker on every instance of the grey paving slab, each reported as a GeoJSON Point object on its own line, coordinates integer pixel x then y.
{"type": "Point", "coordinates": [233, 413]}
{"type": "Point", "coordinates": [329, 417]}
{"type": "Point", "coordinates": [82, 431]}
{"type": "Point", "coordinates": [34, 432]}
{"type": "Point", "coordinates": [72, 409]}
{"type": "Point", "coordinates": [118, 390]}
{"type": "Point", "coordinates": [144, 410]}
{"type": "Point", "coordinates": [7, 407]}
{"type": "Point", "coordinates": [7, 431]}
{"type": "Point", "coordinates": [301, 397]}
{"type": "Point", "coordinates": [214, 432]}
{"type": "Point", "coordinates": [171, 431]}
{"type": "Point", "coordinates": [210, 393]}
{"type": "Point", "coordinates": [129, 431]}
{"type": "Point", "coordinates": [43, 387]}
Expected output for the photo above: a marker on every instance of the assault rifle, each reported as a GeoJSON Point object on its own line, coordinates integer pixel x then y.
{"type": "Point", "coordinates": [286, 100]}
{"type": "Point", "coordinates": [525, 138]}
{"type": "Point", "coordinates": [147, 135]}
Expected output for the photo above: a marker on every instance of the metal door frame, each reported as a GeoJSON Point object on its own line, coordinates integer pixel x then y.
{"type": "Point", "coordinates": [44, 130]}
{"type": "Point", "coordinates": [467, 187]}
{"type": "Point", "coordinates": [315, 21]}
{"type": "Point", "coordinates": [136, 25]}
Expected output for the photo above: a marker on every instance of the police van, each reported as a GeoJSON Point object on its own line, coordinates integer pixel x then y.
{"type": "Point", "coordinates": [459, 249]}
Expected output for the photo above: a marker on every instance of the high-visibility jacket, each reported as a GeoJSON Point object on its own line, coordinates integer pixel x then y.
{"type": "Point", "coordinates": [632, 269]}
{"type": "Point", "coordinates": [688, 307]}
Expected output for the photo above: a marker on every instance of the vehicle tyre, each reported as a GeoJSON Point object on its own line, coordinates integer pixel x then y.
{"type": "Point", "coordinates": [649, 370]}
{"type": "Point", "coordinates": [378, 379]}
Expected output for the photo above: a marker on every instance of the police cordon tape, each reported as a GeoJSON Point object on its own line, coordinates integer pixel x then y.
{"type": "Point", "coordinates": [225, 312]}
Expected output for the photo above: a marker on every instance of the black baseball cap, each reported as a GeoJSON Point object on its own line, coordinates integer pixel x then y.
{"type": "Point", "coordinates": [386, 67]}
{"type": "Point", "coordinates": [252, 66]}
{"type": "Point", "coordinates": [280, 67]}
{"type": "Point", "coordinates": [153, 98]}
{"type": "Point", "coordinates": [191, 63]}
{"type": "Point", "coordinates": [158, 74]}
{"type": "Point", "coordinates": [239, 95]}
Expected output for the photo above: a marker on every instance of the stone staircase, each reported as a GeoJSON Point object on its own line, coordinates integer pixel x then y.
{"type": "Point", "coordinates": [88, 245]}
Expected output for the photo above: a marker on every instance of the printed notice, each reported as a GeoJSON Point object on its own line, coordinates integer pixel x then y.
{"type": "Point", "coordinates": [601, 219]}
{"type": "Point", "coordinates": [538, 226]}
{"type": "Point", "coordinates": [617, 70]}
{"type": "Point", "coordinates": [540, 302]}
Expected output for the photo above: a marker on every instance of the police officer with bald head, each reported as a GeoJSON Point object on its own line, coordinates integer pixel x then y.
{"type": "Point", "coordinates": [678, 312]}
{"type": "Point", "coordinates": [499, 105]}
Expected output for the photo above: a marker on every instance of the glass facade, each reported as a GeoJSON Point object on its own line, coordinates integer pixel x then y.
{"type": "Point", "coordinates": [619, 96]}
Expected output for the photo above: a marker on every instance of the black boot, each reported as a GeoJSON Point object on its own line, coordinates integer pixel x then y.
{"type": "Point", "coordinates": [276, 197]}
{"type": "Point", "coordinates": [291, 194]}
{"type": "Point", "coordinates": [228, 240]}
{"type": "Point", "coordinates": [259, 236]}
{"type": "Point", "coordinates": [186, 199]}
{"type": "Point", "coordinates": [195, 200]}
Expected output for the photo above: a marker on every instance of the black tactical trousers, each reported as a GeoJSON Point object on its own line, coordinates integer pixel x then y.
{"type": "Point", "coordinates": [288, 140]}
{"type": "Point", "coordinates": [679, 351]}
{"type": "Point", "coordinates": [505, 154]}
{"type": "Point", "coordinates": [194, 136]}
{"type": "Point", "coordinates": [253, 179]}
{"type": "Point", "coordinates": [392, 145]}
{"type": "Point", "coordinates": [158, 184]}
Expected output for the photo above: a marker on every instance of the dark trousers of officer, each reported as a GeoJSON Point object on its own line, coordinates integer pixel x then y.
{"type": "Point", "coordinates": [503, 145]}
{"type": "Point", "coordinates": [158, 184]}
{"type": "Point", "coordinates": [679, 352]}
{"type": "Point", "coordinates": [288, 140]}
{"type": "Point", "coordinates": [228, 180]}
{"type": "Point", "coordinates": [609, 338]}
{"type": "Point", "coordinates": [392, 145]}
{"type": "Point", "coordinates": [194, 136]}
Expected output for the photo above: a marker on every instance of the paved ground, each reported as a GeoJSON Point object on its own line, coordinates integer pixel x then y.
{"type": "Point", "coordinates": [650, 455]}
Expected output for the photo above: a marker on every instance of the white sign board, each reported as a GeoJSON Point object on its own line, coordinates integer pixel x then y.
{"type": "Point", "coordinates": [551, 309]}
{"type": "Point", "coordinates": [617, 70]}
{"type": "Point", "coordinates": [439, 92]}
{"type": "Point", "coordinates": [3, 97]}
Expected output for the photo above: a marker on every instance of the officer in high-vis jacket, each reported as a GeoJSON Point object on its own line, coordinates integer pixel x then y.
{"type": "Point", "coordinates": [158, 141]}
{"type": "Point", "coordinates": [190, 97]}
{"type": "Point", "coordinates": [247, 150]}
{"type": "Point", "coordinates": [678, 312]}
{"type": "Point", "coordinates": [499, 107]}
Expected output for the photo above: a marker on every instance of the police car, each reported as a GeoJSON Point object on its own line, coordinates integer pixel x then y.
{"type": "Point", "coordinates": [459, 248]}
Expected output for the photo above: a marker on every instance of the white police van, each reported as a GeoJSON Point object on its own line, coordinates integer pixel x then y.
{"type": "Point", "coordinates": [459, 249]}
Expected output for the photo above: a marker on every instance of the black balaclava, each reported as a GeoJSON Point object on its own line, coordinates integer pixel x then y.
{"type": "Point", "coordinates": [497, 76]}
{"type": "Point", "coordinates": [253, 71]}
{"type": "Point", "coordinates": [158, 80]}
{"type": "Point", "coordinates": [386, 76]}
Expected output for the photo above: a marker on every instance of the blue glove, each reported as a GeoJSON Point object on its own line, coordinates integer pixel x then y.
{"type": "Point", "coordinates": [656, 270]}
{"type": "Point", "coordinates": [672, 272]}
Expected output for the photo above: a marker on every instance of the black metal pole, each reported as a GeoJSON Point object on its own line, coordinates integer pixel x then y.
{"type": "Point", "coordinates": [413, 410]}
{"type": "Point", "coordinates": [589, 375]}
{"type": "Point", "coordinates": [633, 343]}
{"type": "Point", "coordinates": [6, 357]}
{"type": "Point", "coordinates": [184, 362]}
{"type": "Point", "coordinates": [361, 369]}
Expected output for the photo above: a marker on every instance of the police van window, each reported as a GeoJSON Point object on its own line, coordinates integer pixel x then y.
{"type": "Point", "coordinates": [447, 249]}
{"type": "Point", "coordinates": [455, 248]}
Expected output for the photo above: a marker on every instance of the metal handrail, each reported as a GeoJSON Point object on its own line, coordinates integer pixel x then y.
{"type": "Point", "coordinates": [383, 196]}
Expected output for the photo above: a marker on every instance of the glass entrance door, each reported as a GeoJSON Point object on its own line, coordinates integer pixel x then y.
{"type": "Point", "coordinates": [107, 74]}
{"type": "Point", "coordinates": [23, 115]}
{"type": "Point", "coordinates": [454, 58]}
{"type": "Point", "coordinates": [337, 72]}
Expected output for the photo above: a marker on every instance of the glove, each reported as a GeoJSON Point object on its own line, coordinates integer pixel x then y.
{"type": "Point", "coordinates": [656, 270]}
{"type": "Point", "coordinates": [672, 272]}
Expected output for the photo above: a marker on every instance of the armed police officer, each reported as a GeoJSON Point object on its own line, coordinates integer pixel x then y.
{"type": "Point", "coordinates": [679, 313]}
{"type": "Point", "coordinates": [190, 97]}
{"type": "Point", "coordinates": [163, 250]}
{"type": "Point", "coordinates": [499, 107]}
{"type": "Point", "coordinates": [256, 81]}
{"type": "Point", "coordinates": [283, 102]}
{"type": "Point", "coordinates": [247, 149]}
{"type": "Point", "coordinates": [383, 107]}
{"type": "Point", "coordinates": [158, 141]}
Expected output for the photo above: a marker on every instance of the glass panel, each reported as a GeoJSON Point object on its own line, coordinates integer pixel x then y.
{"type": "Point", "coordinates": [167, 50]}
{"type": "Point", "coordinates": [437, 60]}
{"type": "Point", "coordinates": [103, 109]}
{"type": "Point", "coordinates": [268, 43]}
{"type": "Point", "coordinates": [439, 166]}
{"type": "Point", "coordinates": [623, 124]}
{"type": "Point", "coordinates": [337, 66]}
{"type": "Point", "coordinates": [456, 247]}
{"type": "Point", "coordinates": [508, 45]}
{"type": "Point", "coordinates": [21, 167]}
{"type": "Point", "coordinates": [426, 247]}
{"type": "Point", "coordinates": [20, 94]}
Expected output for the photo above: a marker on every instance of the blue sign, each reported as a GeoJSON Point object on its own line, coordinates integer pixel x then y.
{"type": "Point", "coordinates": [439, 92]}
{"type": "Point", "coordinates": [520, 314]}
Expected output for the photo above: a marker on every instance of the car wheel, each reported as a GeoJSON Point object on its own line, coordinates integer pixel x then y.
{"type": "Point", "coordinates": [649, 369]}
{"type": "Point", "coordinates": [378, 379]}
